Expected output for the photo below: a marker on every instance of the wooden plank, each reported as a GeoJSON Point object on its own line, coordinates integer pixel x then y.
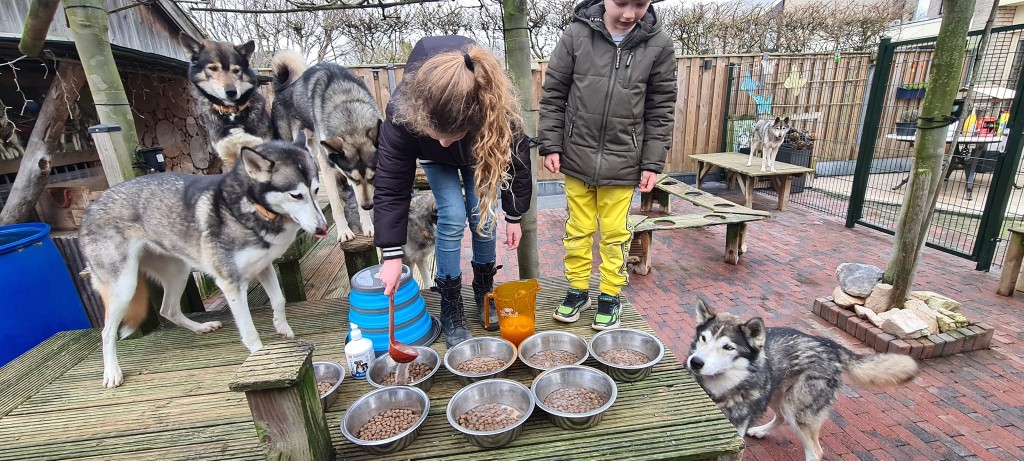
{"type": "Point", "coordinates": [1012, 262]}
{"type": "Point", "coordinates": [24, 376]}
{"type": "Point", "coordinates": [733, 161]}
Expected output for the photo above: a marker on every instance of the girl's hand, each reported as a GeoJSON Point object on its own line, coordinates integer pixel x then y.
{"type": "Point", "coordinates": [552, 162]}
{"type": "Point", "coordinates": [647, 180]}
{"type": "Point", "coordinates": [390, 275]}
{"type": "Point", "coordinates": [513, 234]}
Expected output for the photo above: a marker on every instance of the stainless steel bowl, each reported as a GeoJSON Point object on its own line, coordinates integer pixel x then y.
{"type": "Point", "coordinates": [376, 402]}
{"type": "Point", "coordinates": [500, 391]}
{"type": "Point", "coordinates": [574, 376]}
{"type": "Point", "coordinates": [330, 372]}
{"type": "Point", "coordinates": [381, 366]}
{"type": "Point", "coordinates": [551, 341]}
{"type": "Point", "coordinates": [626, 338]}
{"type": "Point", "coordinates": [480, 346]}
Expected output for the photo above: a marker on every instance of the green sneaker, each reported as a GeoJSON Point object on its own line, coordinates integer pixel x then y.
{"type": "Point", "coordinates": [607, 316]}
{"type": "Point", "coordinates": [574, 302]}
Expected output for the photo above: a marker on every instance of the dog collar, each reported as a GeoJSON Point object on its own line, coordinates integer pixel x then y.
{"type": "Point", "coordinates": [270, 215]}
{"type": "Point", "coordinates": [230, 109]}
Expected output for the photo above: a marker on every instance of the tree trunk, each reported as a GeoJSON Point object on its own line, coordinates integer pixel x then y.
{"type": "Point", "coordinates": [517, 57]}
{"type": "Point", "coordinates": [46, 134]}
{"type": "Point", "coordinates": [40, 15]}
{"type": "Point", "coordinates": [943, 84]}
{"type": "Point", "coordinates": [88, 21]}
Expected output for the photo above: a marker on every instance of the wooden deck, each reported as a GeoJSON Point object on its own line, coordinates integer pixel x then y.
{"type": "Point", "coordinates": [735, 166]}
{"type": "Point", "coordinates": [175, 403]}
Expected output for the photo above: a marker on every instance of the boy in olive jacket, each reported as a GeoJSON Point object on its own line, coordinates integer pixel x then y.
{"type": "Point", "coordinates": [606, 122]}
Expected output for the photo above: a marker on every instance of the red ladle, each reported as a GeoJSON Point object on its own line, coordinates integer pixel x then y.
{"type": "Point", "coordinates": [401, 353]}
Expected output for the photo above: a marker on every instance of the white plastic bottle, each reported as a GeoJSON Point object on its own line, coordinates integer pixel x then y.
{"type": "Point", "coordinates": [358, 353]}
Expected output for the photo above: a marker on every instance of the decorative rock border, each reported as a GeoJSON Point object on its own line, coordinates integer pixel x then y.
{"type": "Point", "coordinates": [974, 337]}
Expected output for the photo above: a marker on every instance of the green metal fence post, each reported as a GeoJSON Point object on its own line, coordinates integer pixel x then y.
{"type": "Point", "coordinates": [869, 135]}
{"type": "Point", "coordinates": [1002, 180]}
{"type": "Point", "coordinates": [725, 113]}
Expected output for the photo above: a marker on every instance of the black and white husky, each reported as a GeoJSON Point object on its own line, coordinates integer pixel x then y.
{"type": "Point", "coordinates": [768, 136]}
{"type": "Point", "coordinates": [746, 368]}
{"type": "Point", "coordinates": [231, 226]}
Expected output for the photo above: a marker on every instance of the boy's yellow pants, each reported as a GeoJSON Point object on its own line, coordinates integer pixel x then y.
{"type": "Point", "coordinates": [589, 205]}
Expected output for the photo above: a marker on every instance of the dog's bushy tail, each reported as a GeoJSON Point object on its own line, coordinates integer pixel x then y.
{"type": "Point", "coordinates": [879, 371]}
{"type": "Point", "coordinates": [138, 307]}
{"type": "Point", "coordinates": [287, 66]}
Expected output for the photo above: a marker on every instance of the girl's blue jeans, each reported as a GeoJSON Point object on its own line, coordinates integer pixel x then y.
{"type": "Point", "coordinates": [457, 205]}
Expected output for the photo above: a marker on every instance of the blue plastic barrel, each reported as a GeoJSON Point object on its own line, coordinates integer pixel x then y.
{"type": "Point", "coordinates": [368, 308]}
{"type": "Point", "coordinates": [37, 295]}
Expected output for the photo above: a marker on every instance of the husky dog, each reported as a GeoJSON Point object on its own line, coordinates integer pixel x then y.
{"type": "Point", "coordinates": [419, 245]}
{"type": "Point", "coordinates": [767, 138]}
{"type": "Point", "coordinates": [230, 226]}
{"type": "Point", "coordinates": [234, 112]}
{"type": "Point", "coordinates": [345, 120]}
{"type": "Point", "coordinates": [746, 368]}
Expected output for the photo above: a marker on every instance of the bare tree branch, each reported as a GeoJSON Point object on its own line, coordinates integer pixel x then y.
{"type": "Point", "coordinates": [329, 5]}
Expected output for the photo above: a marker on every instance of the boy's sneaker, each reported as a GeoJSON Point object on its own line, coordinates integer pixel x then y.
{"type": "Point", "coordinates": [607, 316]}
{"type": "Point", "coordinates": [574, 302]}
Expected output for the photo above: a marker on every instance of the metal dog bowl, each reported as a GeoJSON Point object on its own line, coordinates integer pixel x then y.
{"type": "Point", "coordinates": [574, 376]}
{"type": "Point", "coordinates": [376, 402]}
{"type": "Point", "coordinates": [381, 366]}
{"type": "Point", "coordinates": [626, 338]}
{"type": "Point", "coordinates": [480, 346]}
{"type": "Point", "coordinates": [551, 341]}
{"type": "Point", "coordinates": [330, 372]}
{"type": "Point", "coordinates": [500, 391]}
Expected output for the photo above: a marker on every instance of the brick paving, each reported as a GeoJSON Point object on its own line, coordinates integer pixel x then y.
{"type": "Point", "coordinates": [967, 406]}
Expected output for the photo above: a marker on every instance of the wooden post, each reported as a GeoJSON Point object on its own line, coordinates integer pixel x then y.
{"type": "Point", "coordinates": [734, 234]}
{"type": "Point", "coordinates": [280, 387]}
{"type": "Point", "coordinates": [1012, 263]}
{"type": "Point", "coordinates": [360, 254]}
{"type": "Point", "coordinates": [37, 23]}
{"type": "Point", "coordinates": [289, 269]}
{"type": "Point", "coordinates": [109, 142]}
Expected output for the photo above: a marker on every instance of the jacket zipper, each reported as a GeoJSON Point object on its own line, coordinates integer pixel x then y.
{"type": "Point", "coordinates": [572, 125]}
{"type": "Point", "coordinates": [633, 132]}
{"type": "Point", "coordinates": [604, 117]}
{"type": "Point", "coordinates": [629, 70]}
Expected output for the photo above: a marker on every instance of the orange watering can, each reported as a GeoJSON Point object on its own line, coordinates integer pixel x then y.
{"type": "Point", "coordinates": [516, 303]}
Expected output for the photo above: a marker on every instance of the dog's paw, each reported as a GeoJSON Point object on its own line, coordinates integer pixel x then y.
{"type": "Point", "coordinates": [368, 229]}
{"type": "Point", "coordinates": [758, 432]}
{"type": "Point", "coordinates": [345, 234]}
{"type": "Point", "coordinates": [284, 330]}
{"type": "Point", "coordinates": [253, 346]}
{"type": "Point", "coordinates": [112, 377]}
{"type": "Point", "coordinates": [208, 327]}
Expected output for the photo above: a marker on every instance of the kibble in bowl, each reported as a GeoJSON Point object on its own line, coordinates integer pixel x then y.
{"type": "Point", "coordinates": [626, 354]}
{"type": "Point", "coordinates": [387, 419]}
{"type": "Point", "coordinates": [548, 349]}
{"type": "Point", "coordinates": [491, 413]}
{"type": "Point", "coordinates": [419, 373]}
{"type": "Point", "coordinates": [480, 358]}
{"type": "Point", "coordinates": [574, 396]}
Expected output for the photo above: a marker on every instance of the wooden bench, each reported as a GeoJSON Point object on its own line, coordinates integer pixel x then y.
{"type": "Point", "coordinates": [1012, 279]}
{"type": "Point", "coordinates": [719, 212]}
{"type": "Point", "coordinates": [736, 169]}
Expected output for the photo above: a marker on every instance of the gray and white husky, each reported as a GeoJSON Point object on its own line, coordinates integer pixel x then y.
{"type": "Point", "coordinates": [234, 112]}
{"type": "Point", "coordinates": [230, 226]}
{"type": "Point", "coordinates": [338, 107]}
{"type": "Point", "coordinates": [768, 136]}
{"type": "Point", "coordinates": [422, 232]}
{"type": "Point", "coordinates": [746, 368]}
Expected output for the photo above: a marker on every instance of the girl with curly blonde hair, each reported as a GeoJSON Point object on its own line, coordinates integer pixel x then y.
{"type": "Point", "coordinates": [457, 113]}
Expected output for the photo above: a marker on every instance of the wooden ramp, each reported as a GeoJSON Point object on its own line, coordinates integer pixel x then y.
{"type": "Point", "coordinates": [175, 403]}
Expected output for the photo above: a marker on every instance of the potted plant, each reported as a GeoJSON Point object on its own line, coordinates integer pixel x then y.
{"type": "Point", "coordinates": [906, 123]}
{"type": "Point", "coordinates": [911, 90]}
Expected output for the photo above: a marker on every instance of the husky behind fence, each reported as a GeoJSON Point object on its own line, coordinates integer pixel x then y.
{"type": "Point", "coordinates": [231, 226]}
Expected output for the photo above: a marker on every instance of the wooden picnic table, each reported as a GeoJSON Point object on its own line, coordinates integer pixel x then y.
{"type": "Point", "coordinates": [175, 403]}
{"type": "Point", "coordinates": [736, 169]}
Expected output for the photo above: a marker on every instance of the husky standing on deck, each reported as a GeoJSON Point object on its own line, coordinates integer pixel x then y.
{"type": "Point", "coordinates": [234, 112]}
{"type": "Point", "coordinates": [230, 226]}
{"type": "Point", "coordinates": [768, 136]}
{"type": "Point", "coordinates": [345, 120]}
{"type": "Point", "coordinates": [746, 368]}
{"type": "Point", "coordinates": [419, 244]}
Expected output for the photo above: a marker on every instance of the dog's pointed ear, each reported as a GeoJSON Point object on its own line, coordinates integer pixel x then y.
{"type": "Point", "coordinates": [754, 332]}
{"type": "Point", "coordinates": [785, 121]}
{"type": "Point", "coordinates": [777, 120]}
{"type": "Point", "coordinates": [374, 132]}
{"type": "Point", "coordinates": [191, 45]}
{"type": "Point", "coordinates": [300, 140]}
{"type": "Point", "coordinates": [256, 165]}
{"type": "Point", "coordinates": [704, 312]}
{"type": "Point", "coordinates": [246, 49]}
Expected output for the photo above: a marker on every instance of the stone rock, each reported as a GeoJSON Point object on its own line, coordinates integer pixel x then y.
{"type": "Point", "coordinates": [868, 315]}
{"type": "Point", "coordinates": [936, 301]}
{"type": "Point", "coordinates": [858, 279]}
{"type": "Point", "coordinates": [878, 299]}
{"type": "Point", "coordinates": [949, 320]}
{"type": "Point", "coordinates": [923, 312]}
{"type": "Point", "coordinates": [844, 300]}
{"type": "Point", "coordinates": [904, 324]}
{"type": "Point", "coordinates": [887, 314]}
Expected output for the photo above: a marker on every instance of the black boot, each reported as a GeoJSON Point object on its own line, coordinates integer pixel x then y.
{"type": "Point", "coordinates": [483, 283]}
{"type": "Point", "coordinates": [453, 319]}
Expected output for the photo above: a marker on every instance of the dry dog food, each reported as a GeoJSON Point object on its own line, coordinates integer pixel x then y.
{"type": "Point", "coordinates": [575, 400]}
{"type": "Point", "coordinates": [324, 386]}
{"type": "Point", "coordinates": [551, 359]}
{"type": "Point", "coordinates": [480, 365]}
{"type": "Point", "coordinates": [388, 424]}
{"type": "Point", "coordinates": [489, 417]}
{"type": "Point", "coordinates": [625, 357]}
{"type": "Point", "coordinates": [417, 371]}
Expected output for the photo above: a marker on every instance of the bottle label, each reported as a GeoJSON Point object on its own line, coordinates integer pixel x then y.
{"type": "Point", "coordinates": [358, 366]}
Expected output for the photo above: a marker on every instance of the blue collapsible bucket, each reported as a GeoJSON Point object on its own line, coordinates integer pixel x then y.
{"type": "Point", "coordinates": [39, 298]}
{"type": "Point", "coordinates": [368, 308]}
